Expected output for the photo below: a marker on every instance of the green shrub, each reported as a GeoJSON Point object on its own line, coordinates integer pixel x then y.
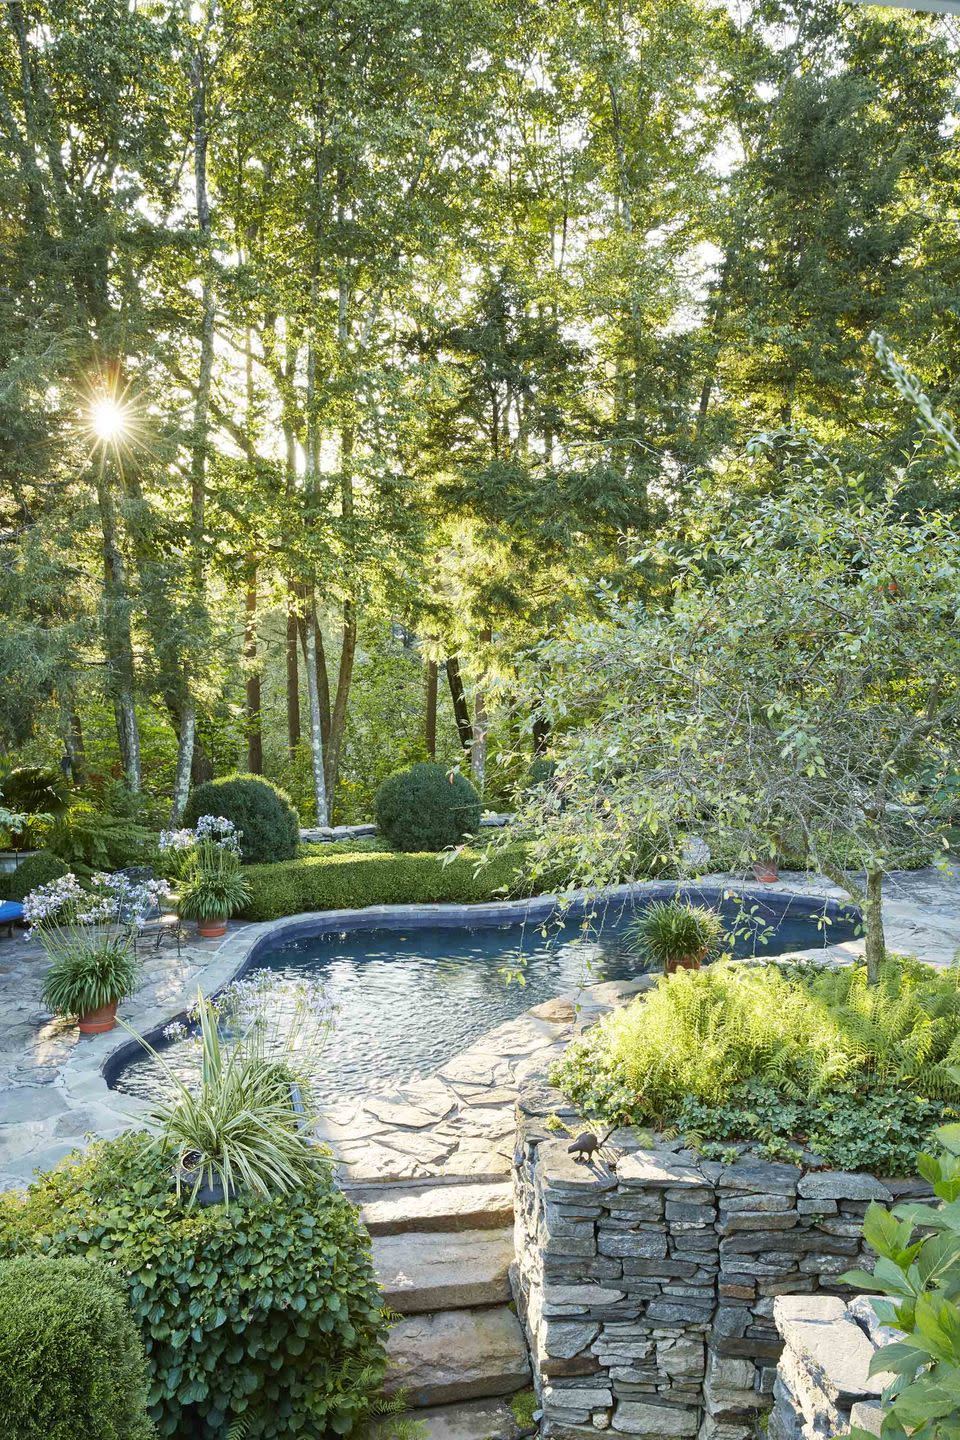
{"type": "Point", "coordinates": [918, 1246]}
{"type": "Point", "coordinates": [692, 1052]}
{"type": "Point", "coordinates": [105, 830]}
{"type": "Point", "coordinates": [263, 813]}
{"type": "Point", "coordinates": [352, 883]}
{"type": "Point", "coordinates": [71, 1360]}
{"type": "Point", "coordinates": [35, 870]}
{"type": "Point", "coordinates": [266, 1311]}
{"type": "Point", "coordinates": [427, 808]}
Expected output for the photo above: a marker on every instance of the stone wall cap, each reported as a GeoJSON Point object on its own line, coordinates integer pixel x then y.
{"type": "Point", "coordinates": [656, 1169]}
{"type": "Point", "coordinates": [561, 1172]}
{"type": "Point", "coordinates": [842, 1185]}
{"type": "Point", "coordinates": [760, 1177]}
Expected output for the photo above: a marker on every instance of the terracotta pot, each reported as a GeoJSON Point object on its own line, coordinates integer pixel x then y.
{"type": "Point", "coordinates": [766, 871]}
{"type": "Point", "coordinates": [98, 1022]}
{"type": "Point", "coordinates": [211, 929]}
{"type": "Point", "coordinates": [687, 962]}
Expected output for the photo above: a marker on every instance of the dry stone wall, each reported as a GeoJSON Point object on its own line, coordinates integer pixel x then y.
{"type": "Point", "coordinates": [647, 1279]}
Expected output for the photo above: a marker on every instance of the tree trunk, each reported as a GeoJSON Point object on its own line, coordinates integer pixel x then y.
{"type": "Point", "coordinates": [478, 750]}
{"type": "Point", "coordinates": [293, 674]}
{"type": "Point", "coordinates": [461, 711]}
{"type": "Point", "coordinates": [254, 698]}
{"type": "Point", "coordinates": [338, 715]}
{"type": "Point", "coordinates": [875, 942]}
{"type": "Point", "coordinates": [316, 728]}
{"type": "Point", "coordinates": [430, 708]}
{"type": "Point", "coordinates": [541, 735]}
{"type": "Point", "coordinates": [181, 781]}
{"type": "Point", "coordinates": [118, 641]}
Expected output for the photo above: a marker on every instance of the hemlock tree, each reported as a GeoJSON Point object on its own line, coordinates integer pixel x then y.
{"type": "Point", "coordinates": [800, 690]}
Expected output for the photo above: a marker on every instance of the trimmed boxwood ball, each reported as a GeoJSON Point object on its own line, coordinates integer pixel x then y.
{"type": "Point", "coordinates": [263, 812]}
{"type": "Point", "coordinates": [34, 870]}
{"type": "Point", "coordinates": [427, 808]}
{"type": "Point", "coordinates": [71, 1358]}
{"type": "Point", "coordinates": [266, 1310]}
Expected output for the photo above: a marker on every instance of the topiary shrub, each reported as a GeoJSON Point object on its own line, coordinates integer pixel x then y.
{"type": "Point", "coordinates": [427, 808]}
{"type": "Point", "coordinates": [265, 1312]}
{"type": "Point", "coordinates": [71, 1359]}
{"type": "Point", "coordinates": [269, 824]}
{"type": "Point", "coordinates": [35, 870]}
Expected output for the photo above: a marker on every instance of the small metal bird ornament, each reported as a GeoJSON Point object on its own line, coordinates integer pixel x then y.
{"type": "Point", "coordinates": [586, 1145]}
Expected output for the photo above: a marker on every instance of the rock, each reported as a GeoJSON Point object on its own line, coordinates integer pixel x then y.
{"type": "Point", "coordinates": [830, 1344]}
{"type": "Point", "coordinates": [421, 1272]}
{"type": "Point", "coordinates": [867, 1415]}
{"type": "Point", "coordinates": [840, 1185]}
{"type": "Point", "coordinates": [655, 1169]}
{"type": "Point", "coordinates": [638, 1244]}
{"type": "Point", "coordinates": [457, 1355]}
{"type": "Point", "coordinates": [764, 1177]}
{"type": "Point", "coordinates": [470, 1420]}
{"type": "Point", "coordinates": [402, 1209]}
{"type": "Point", "coordinates": [633, 1417]}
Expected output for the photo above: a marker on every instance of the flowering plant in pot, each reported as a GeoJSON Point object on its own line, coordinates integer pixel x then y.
{"type": "Point", "coordinates": [213, 888]}
{"type": "Point", "coordinates": [88, 933]}
{"type": "Point", "coordinates": [671, 935]}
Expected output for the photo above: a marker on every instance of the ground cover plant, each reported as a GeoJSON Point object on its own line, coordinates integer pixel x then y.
{"type": "Point", "coordinates": [789, 1057]}
{"type": "Point", "coordinates": [265, 1312]}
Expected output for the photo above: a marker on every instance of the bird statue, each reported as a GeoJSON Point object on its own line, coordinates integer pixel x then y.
{"type": "Point", "coordinates": [586, 1145]}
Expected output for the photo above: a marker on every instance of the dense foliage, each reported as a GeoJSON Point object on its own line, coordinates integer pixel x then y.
{"type": "Point", "coordinates": [669, 933]}
{"type": "Point", "coordinates": [784, 1056]}
{"type": "Point", "coordinates": [32, 871]}
{"type": "Point", "coordinates": [427, 808]}
{"type": "Point", "coordinates": [268, 1311]}
{"type": "Point", "coordinates": [348, 882]}
{"type": "Point", "coordinates": [71, 1358]}
{"type": "Point", "coordinates": [918, 1268]}
{"type": "Point", "coordinates": [262, 813]}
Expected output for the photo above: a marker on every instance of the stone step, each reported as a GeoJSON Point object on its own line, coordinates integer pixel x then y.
{"type": "Point", "coordinates": [469, 1420]}
{"type": "Point", "coordinates": [399, 1209]}
{"type": "Point", "coordinates": [444, 1270]}
{"type": "Point", "coordinates": [457, 1355]}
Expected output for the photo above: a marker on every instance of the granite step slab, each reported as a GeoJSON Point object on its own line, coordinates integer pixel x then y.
{"type": "Point", "coordinates": [444, 1270]}
{"type": "Point", "coordinates": [469, 1420]}
{"type": "Point", "coordinates": [457, 1355]}
{"type": "Point", "coordinates": [403, 1209]}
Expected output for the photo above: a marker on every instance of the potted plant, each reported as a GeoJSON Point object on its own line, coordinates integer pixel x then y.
{"type": "Point", "coordinates": [671, 935]}
{"type": "Point", "coordinates": [766, 869]}
{"type": "Point", "coordinates": [88, 978]}
{"type": "Point", "coordinates": [213, 888]}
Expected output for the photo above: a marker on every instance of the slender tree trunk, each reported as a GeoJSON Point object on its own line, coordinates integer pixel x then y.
{"type": "Point", "coordinates": [253, 687]}
{"type": "Point", "coordinates": [338, 715]}
{"type": "Point", "coordinates": [541, 734]}
{"type": "Point", "coordinates": [430, 709]}
{"type": "Point", "coordinates": [118, 640]}
{"type": "Point", "coordinates": [875, 946]}
{"type": "Point", "coordinates": [312, 448]}
{"type": "Point", "coordinates": [293, 673]}
{"type": "Point", "coordinates": [72, 738]}
{"type": "Point", "coordinates": [478, 750]}
{"type": "Point", "coordinates": [201, 416]}
{"type": "Point", "coordinates": [461, 711]}
{"type": "Point", "coordinates": [316, 731]}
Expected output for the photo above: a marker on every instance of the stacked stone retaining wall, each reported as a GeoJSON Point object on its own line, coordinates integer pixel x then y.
{"type": "Point", "coordinates": [647, 1279]}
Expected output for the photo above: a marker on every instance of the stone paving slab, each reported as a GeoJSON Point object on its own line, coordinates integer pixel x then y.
{"type": "Point", "coordinates": [458, 1122]}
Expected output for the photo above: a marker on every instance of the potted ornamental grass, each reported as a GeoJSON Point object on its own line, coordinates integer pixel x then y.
{"type": "Point", "coordinates": [212, 884]}
{"type": "Point", "coordinates": [670, 935]}
{"type": "Point", "coordinates": [89, 934]}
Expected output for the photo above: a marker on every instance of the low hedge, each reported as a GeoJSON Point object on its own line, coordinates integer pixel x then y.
{"type": "Point", "coordinates": [266, 1313]}
{"type": "Point", "coordinates": [317, 882]}
{"type": "Point", "coordinates": [71, 1360]}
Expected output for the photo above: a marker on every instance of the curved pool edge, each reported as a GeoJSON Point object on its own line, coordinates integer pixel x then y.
{"type": "Point", "coordinates": [239, 950]}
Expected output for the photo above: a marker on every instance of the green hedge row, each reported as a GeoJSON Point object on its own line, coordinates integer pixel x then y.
{"type": "Point", "coordinates": [354, 882]}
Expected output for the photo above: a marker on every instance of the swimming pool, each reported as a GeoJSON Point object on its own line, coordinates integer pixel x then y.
{"type": "Point", "coordinates": [407, 999]}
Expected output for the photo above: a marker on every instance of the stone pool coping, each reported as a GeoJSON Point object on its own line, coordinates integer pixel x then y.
{"type": "Point", "coordinates": [38, 1129]}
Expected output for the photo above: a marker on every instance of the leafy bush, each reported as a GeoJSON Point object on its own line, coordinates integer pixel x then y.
{"type": "Point", "coordinates": [33, 871]}
{"type": "Point", "coordinates": [267, 1311]}
{"type": "Point", "coordinates": [352, 883]}
{"type": "Point", "coordinates": [269, 826]}
{"type": "Point", "coordinates": [806, 1032]}
{"type": "Point", "coordinates": [105, 830]}
{"type": "Point", "coordinates": [33, 790]}
{"type": "Point", "coordinates": [919, 1266]}
{"type": "Point", "coordinates": [427, 808]}
{"type": "Point", "coordinates": [667, 933]}
{"type": "Point", "coordinates": [90, 972]}
{"type": "Point", "coordinates": [71, 1360]}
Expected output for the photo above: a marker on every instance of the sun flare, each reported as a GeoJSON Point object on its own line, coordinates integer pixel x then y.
{"type": "Point", "coordinates": [108, 419]}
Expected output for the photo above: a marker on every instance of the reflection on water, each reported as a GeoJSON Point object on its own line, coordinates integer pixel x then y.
{"type": "Point", "coordinates": [404, 1003]}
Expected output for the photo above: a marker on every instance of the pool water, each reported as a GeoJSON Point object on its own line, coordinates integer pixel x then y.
{"type": "Point", "coordinates": [406, 1001]}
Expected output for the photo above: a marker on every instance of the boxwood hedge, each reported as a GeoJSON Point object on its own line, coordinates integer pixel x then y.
{"type": "Point", "coordinates": [71, 1360]}
{"type": "Point", "coordinates": [318, 882]}
{"type": "Point", "coordinates": [267, 1311]}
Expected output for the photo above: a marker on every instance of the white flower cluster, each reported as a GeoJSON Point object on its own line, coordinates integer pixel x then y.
{"type": "Point", "coordinates": [209, 829]}
{"type": "Point", "coordinates": [107, 899]}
